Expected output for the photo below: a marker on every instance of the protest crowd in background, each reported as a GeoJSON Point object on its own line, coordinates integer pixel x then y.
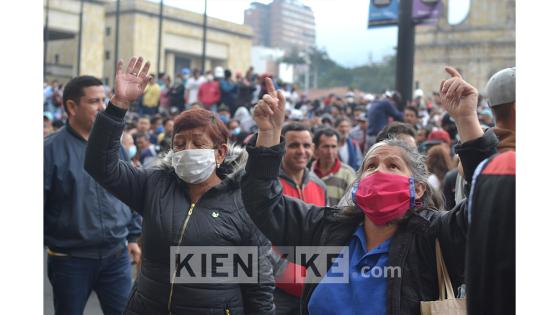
{"type": "Point", "coordinates": [362, 116]}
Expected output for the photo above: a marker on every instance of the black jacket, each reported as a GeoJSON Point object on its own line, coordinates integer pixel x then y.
{"type": "Point", "coordinates": [162, 199]}
{"type": "Point", "coordinates": [80, 217]}
{"type": "Point", "coordinates": [490, 270]}
{"type": "Point", "coordinates": [290, 222]}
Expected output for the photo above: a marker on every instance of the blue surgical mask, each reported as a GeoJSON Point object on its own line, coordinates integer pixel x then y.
{"type": "Point", "coordinates": [131, 151]}
{"type": "Point", "coordinates": [159, 129]}
{"type": "Point", "coordinates": [236, 131]}
{"type": "Point", "coordinates": [224, 119]}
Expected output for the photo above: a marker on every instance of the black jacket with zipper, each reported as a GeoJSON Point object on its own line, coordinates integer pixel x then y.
{"type": "Point", "coordinates": [290, 222]}
{"type": "Point", "coordinates": [163, 200]}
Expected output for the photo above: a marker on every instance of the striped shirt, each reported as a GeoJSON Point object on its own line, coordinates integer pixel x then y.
{"type": "Point", "coordinates": [337, 180]}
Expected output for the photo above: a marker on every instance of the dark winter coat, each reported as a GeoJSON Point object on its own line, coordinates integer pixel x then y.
{"type": "Point", "coordinates": [290, 222]}
{"type": "Point", "coordinates": [163, 200]}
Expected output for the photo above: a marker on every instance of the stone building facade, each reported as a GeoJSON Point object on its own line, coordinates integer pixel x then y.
{"type": "Point", "coordinates": [483, 43]}
{"type": "Point", "coordinates": [228, 44]}
{"type": "Point", "coordinates": [62, 45]}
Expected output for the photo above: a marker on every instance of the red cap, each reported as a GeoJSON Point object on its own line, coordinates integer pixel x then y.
{"type": "Point", "coordinates": [440, 135]}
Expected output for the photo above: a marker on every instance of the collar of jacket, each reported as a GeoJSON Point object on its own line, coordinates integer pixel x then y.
{"type": "Point", "coordinates": [507, 139]}
{"type": "Point", "coordinates": [335, 168]}
{"type": "Point", "coordinates": [74, 132]}
{"type": "Point", "coordinates": [304, 179]}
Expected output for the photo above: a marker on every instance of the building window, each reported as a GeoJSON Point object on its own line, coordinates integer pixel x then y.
{"type": "Point", "coordinates": [107, 31]}
{"type": "Point", "coordinates": [107, 55]}
{"type": "Point", "coordinates": [56, 58]}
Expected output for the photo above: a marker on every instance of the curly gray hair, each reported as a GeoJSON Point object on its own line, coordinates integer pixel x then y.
{"type": "Point", "coordinates": [414, 160]}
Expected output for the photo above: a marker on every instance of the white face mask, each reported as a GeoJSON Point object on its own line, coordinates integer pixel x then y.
{"type": "Point", "coordinates": [194, 165]}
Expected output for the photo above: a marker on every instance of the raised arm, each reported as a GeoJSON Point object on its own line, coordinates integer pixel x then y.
{"type": "Point", "coordinates": [394, 112]}
{"type": "Point", "coordinates": [459, 98]}
{"type": "Point", "coordinates": [284, 220]}
{"type": "Point", "coordinates": [102, 154]}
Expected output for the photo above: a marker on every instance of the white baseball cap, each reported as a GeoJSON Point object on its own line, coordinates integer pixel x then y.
{"type": "Point", "coordinates": [219, 72]}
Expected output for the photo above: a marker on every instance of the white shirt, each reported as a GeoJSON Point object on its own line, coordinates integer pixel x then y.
{"type": "Point", "coordinates": [192, 86]}
{"type": "Point", "coordinates": [343, 152]}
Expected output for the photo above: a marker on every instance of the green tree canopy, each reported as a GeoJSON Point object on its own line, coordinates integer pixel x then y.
{"type": "Point", "coordinates": [374, 78]}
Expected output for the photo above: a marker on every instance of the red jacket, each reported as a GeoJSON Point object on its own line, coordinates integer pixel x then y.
{"type": "Point", "coordinates": [313, 191]}
{"type": "Point", "coordinates": [209, 93]}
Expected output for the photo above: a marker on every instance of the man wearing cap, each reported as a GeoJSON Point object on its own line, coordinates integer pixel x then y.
{"type": "Point", "coordinates": [500, 91]}
{"type": "Point", "coordinates": [490, 262]}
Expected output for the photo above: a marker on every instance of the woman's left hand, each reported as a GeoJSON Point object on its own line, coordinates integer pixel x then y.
{"type": "Point", "coordinates": [130, 84]}
{"type": "Point", "coordinates": [460, 99]}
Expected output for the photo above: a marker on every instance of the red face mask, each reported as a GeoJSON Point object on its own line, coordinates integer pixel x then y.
{"type": "Point", "coordinates": [384, 197]}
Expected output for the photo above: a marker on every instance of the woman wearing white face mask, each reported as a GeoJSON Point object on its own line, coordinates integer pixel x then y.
{"type": "Point", "coordinates": [186, 201]}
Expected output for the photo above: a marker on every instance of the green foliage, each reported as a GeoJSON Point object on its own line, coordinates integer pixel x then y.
{"type": "Point", "coordinates": [293, 58]}
{"type": "Point", "coordinates": [370, 78]}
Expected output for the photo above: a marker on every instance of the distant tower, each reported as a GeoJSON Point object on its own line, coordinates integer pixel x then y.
{"type": "Point", "coordinates": [286, 24]}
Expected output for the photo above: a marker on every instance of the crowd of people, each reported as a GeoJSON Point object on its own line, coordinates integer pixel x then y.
{"type": "Point", "coordinates": [251, 146]}
{"type": "Point", "coordinates": [359, 119]}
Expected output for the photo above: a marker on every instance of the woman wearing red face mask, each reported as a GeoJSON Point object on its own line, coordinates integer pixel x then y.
{"type": "Point", "coordinates": [389, 221]}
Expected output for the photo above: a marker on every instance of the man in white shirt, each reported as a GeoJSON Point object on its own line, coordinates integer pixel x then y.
{"type": "Point", "coordinates": [193, 84]}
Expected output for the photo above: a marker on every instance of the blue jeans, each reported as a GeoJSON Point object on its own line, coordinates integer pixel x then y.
{"type": "Point", "coordinates": [73, 279]}
{"type": "Point", "coordinates": [148, 110]}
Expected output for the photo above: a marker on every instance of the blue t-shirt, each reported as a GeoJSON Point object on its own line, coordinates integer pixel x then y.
{"type": "Point", "coordinates": [366, 292]}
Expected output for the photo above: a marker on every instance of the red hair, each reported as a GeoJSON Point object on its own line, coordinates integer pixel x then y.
{"type": "Point", "coordinates": [197, 117]}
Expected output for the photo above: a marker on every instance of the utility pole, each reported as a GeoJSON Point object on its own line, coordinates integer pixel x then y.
{"type": "Point", "coordinates": [159, 37]}
{"type": "Point", "coordinates": [117, 17]}
{"type": "Point", "coordinates": [405, 51]}
{"type": "Point", "coordinates": [307, 70]}
{"type": "Point", "coordinates": [80, 37]}
{"type": "Point", "coordinates": [204, 27]}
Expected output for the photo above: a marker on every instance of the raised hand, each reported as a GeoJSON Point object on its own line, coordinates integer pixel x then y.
{"type": "Point", "coordinates": [130, 84]}
{"type": "Point", "coordinates": [458, 97]}
{"type": "Point", "coordinates": [269, 115]}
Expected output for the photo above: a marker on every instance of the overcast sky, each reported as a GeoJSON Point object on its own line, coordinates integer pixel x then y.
{"type": "Point", "coordinates": [341, 25]}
